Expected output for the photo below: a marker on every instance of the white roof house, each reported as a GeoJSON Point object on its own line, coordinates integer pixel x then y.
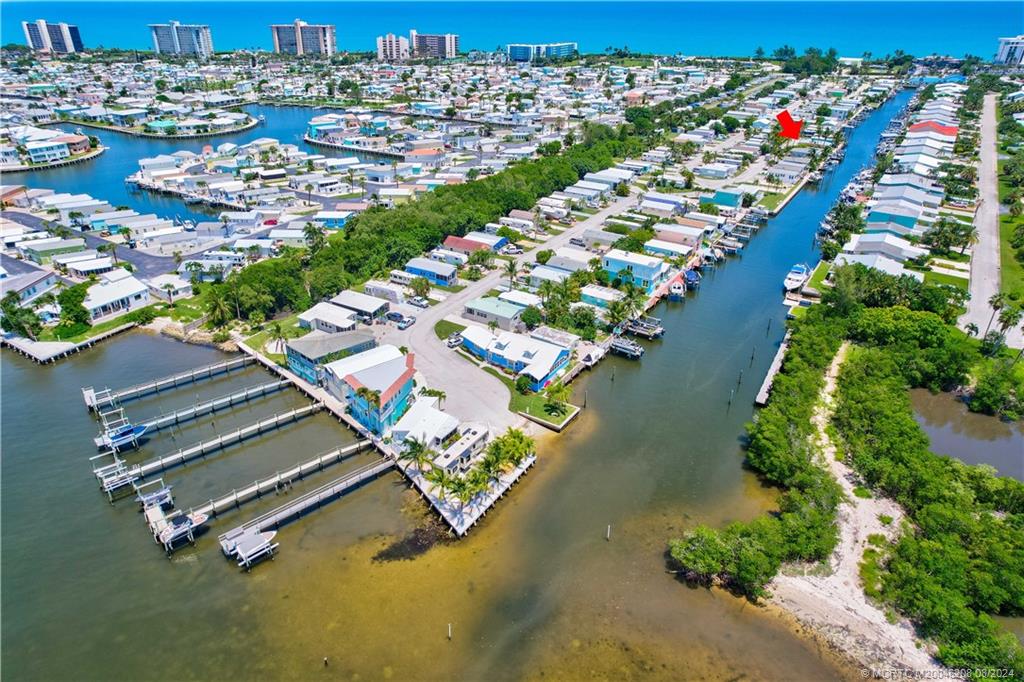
{"type": "Point", "coordinates": [885, 244]}
{"type": "Point", "coordinates": [425, 423]}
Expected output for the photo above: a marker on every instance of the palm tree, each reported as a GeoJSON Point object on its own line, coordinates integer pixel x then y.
{"type": "Point", "coordinates": [617, 313]}
{"type": "Point", "coordinates": [309, 192]}
{"type": "Point", "coordinates": [996, 302]}
{"type": "Point", "coordinates": [177, 259]}
{"type": "Point", "coordinates": [511, 269]}
{"type": "Point", "coordinates": [557, 394]}
{"type": "Point", "coordinates": [1008, 318]}
{"type": "Point", "coordinates": [418, 453]}
{"type": "Point", "coordinates": [169, 288]}
{"type": "Point", "coordinates": [435, 393]}
{"type": "Point", "coordinates": [971, 329]}
{"type": "Point", "coordinates": [217, 309]}
{"type": "Point", "coordinates": [441, 479]}
{"type": "Point", "coordinates": [277, 336]}
{"type": "Point", "coordinates": [463, 491]}
{"type": "Point", "coordinates": [126, 232]}
{"type": "Point", "coordinates": [546, 290]}
{"type": "Point", "coordinates": [315, 237]}
{"type": "Point", "coordinates": [108, 248]}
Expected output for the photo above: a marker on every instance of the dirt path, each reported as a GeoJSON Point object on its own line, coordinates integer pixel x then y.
{"type": "Point", "coordinates": [834, 605]}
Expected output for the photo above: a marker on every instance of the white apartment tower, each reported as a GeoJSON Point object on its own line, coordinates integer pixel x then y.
{"type": "Point", "coordinates": [299, 38]}
{"type": "Point", "coordinates": [178, 38]}
{"type": "Point", "coordinates": [392, 48]}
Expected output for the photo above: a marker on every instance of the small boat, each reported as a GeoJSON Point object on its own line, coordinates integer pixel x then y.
{"type": "Point", "coordinates": [180, 526]}
{"type": "Point", "coordinates": [676, 291]}
{"type": "Point", "coordinates": [125, 434]}
{"type": "Point", "coordinates": [692, 279]}
{"type": "Point", "coordinates": [797, 277]}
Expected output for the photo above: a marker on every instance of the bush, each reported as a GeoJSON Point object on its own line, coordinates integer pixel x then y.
{"type": "Point", "coordinates": [523, 384]}
{"type": "Point", "coordinates": [142, 315]}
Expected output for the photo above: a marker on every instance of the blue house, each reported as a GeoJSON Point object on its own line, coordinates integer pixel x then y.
{"type": "Point", "coordinates": [728, 198]}
{"type": "Point", "coordinates": [376, 386]}
{"type": "Point", "coordinates": [439, 273]}
{"type": "Point", "coordinates": [884, 216]}
{"type": "Point", "coordinates": [646, 272]}
{"type": "Point", "coordinates": [518, 354]}
{"type": "Point", "coordinates": [307, 354]}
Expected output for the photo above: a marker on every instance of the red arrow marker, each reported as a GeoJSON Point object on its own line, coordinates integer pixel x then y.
{"type": "Point", "coordinates": [790, 128]}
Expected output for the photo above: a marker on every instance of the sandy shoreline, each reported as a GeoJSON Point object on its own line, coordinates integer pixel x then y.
{"type": "Point", "coordinates": [831, 603]}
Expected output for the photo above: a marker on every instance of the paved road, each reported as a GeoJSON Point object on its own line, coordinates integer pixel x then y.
{"type": "Point", "coordinates": [472, 394]}
{"type": "Point", "coordinates": [985, 268]}
{"type": "Point", "coordinates": [145, 265]}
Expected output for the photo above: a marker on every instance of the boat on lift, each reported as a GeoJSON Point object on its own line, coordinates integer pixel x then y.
{"type": "Point", "coordinates": [692, 279]}
{"type": "Point", "coordinates": [676, 291]}
{"type": "Point", "coordinates": [797, 277]}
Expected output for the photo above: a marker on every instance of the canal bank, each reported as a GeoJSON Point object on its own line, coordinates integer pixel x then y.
{"type": "Point", "coordinates": [537, 590]}
{"type": "Point", "coordinates": [104, 177]}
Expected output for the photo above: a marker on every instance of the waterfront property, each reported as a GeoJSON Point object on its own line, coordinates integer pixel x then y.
{"type": "Point", "coordinates": [117, 292]}
{"type": "Point", "coordinates": [375, 385]}
{"type": "Point", "coordinates": [308, 354]}
{"type": "Point", "coordinates": [518, 354]}
{"type": "Point", "coordinates": [646, 272]}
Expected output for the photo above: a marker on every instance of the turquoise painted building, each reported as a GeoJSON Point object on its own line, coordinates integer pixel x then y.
{"type": "Point", "coordinates": [375, 385]}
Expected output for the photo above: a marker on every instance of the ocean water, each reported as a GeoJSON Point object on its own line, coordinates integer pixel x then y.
{"type": "Point", "coordinates": [705, 28]}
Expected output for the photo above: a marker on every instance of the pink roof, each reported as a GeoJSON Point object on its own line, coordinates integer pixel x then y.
{"type": "Point", "coordinates": [932, 125]}
{"type": "Point", "coordinates": [454, 242]}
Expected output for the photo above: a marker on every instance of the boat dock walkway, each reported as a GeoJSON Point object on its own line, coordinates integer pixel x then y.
{"type": "Point", "coordinates": [273, 483]}
{"type": "Point", "coordinates": [302, 504]}
{"type": "Point", "coordinates": [237, 436]}
{"type": "Point", "coordinates": [766, 387]}
{"type": "Point", "coordinates": [96, 399]}
{"type": "Point", "coordinates": [46, 352]}
{"type": "Point", "coordinates": [211, 406]}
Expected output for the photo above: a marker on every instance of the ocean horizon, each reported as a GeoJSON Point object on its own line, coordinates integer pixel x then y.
{"type": "Point", "coordinates": [728, 28]}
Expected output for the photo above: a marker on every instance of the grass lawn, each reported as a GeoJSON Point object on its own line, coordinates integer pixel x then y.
{"type": "Point", "coordinates": [770, 200]}
{"type": "Point", "coordinates": [942, 278]}
{"type": "Point", "coordinates": [444, 329]}
{"type": "Point", "coordinates": [817, 280]}
{"type": "Point", "coordinates": [290, 327]}
{"type": "Point", "coordinates": [533, 404]}
{"type": "Point", "coordinates": [49, 333]}
{"type": "Point", "coordinates": [186, 310]}
{"type": "Point", "coordinates": [454, 289]}
{"type": "Point", "coordinates": [1011, 270]}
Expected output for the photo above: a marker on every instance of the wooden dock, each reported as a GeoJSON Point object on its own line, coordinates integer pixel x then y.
{"type": "Point", "coordinates": [274, 483]}
{"type": "Point", "coordinates": [295, 508]}
{"type": "Point", "coordinates": [211, 406]}
{"type": "Point", "coordinates": [766, 387]}
{"type": "Point", "coordinates": [199, 449]}
{"type": "Point", "coordinates": [47, 352]}
{"type": "Point", "coordinates": [95, 399]}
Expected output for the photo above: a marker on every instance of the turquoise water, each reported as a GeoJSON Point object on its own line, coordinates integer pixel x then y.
{"type": "Point", "coordinates": [708, 28]}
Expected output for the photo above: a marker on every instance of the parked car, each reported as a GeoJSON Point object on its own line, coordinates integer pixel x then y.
{"type": "Point", "coordinates": [395, 316]}
{"type": "Point", "coordinates": [454, 341]}
{"type": "Point", "coordinates": [407, 322]}
{"type": "Point", "coordinates": [578, 241]}
{"type": "Point", "coordinates": [513, 250]}
{"type": "Point", "coordinates": [419, 302]}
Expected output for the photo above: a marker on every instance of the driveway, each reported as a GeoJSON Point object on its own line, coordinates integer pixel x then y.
{"type": "Point", "coordinates": [985, 268]}
{"type": "Point", "coordinates": [473, 394]}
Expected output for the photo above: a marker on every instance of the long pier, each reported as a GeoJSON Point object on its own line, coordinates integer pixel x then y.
{"type": "Point", "coordinates": [766, 387]}
{"type": "Point", "coordinates": [273, 483]}
{"type": "Point", "coordinates": [237, 436]}
{"type": "Point", "coordinates": [211, 406]}
{"type": "Point", "coordinates": [304, 503]}
{"type": "Point", "coordinates": [97, 399]}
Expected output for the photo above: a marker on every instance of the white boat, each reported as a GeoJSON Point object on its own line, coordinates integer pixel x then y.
{"type": "Point", "coordinates": [797, 277]}
{"type": "Point", "coordinates": [676, 290]}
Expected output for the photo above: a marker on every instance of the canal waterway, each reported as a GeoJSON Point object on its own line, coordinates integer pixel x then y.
{"type": "Point", "coordinates": [970, 437]}
{"type": "Point", "coordinates": [103, 177]}
{"type": "Point", "coordinates": [539, 589]}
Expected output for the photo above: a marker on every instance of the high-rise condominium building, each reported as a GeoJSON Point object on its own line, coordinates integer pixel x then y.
{"type": "Point", "coordinates": [392, 48]}
{"type": "Point", "coordinates": [433, 45]}
{"type": "Point", "coordinates": [300, 38]}
{"type": "Point", "coordinates": [178, 38]}
{"type": "Point", "coordinates": [526, 52]}
{"type": "Point", "coordinates": [1011, 51]}
{"type": "Point", "coordinates": [44, 37]}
